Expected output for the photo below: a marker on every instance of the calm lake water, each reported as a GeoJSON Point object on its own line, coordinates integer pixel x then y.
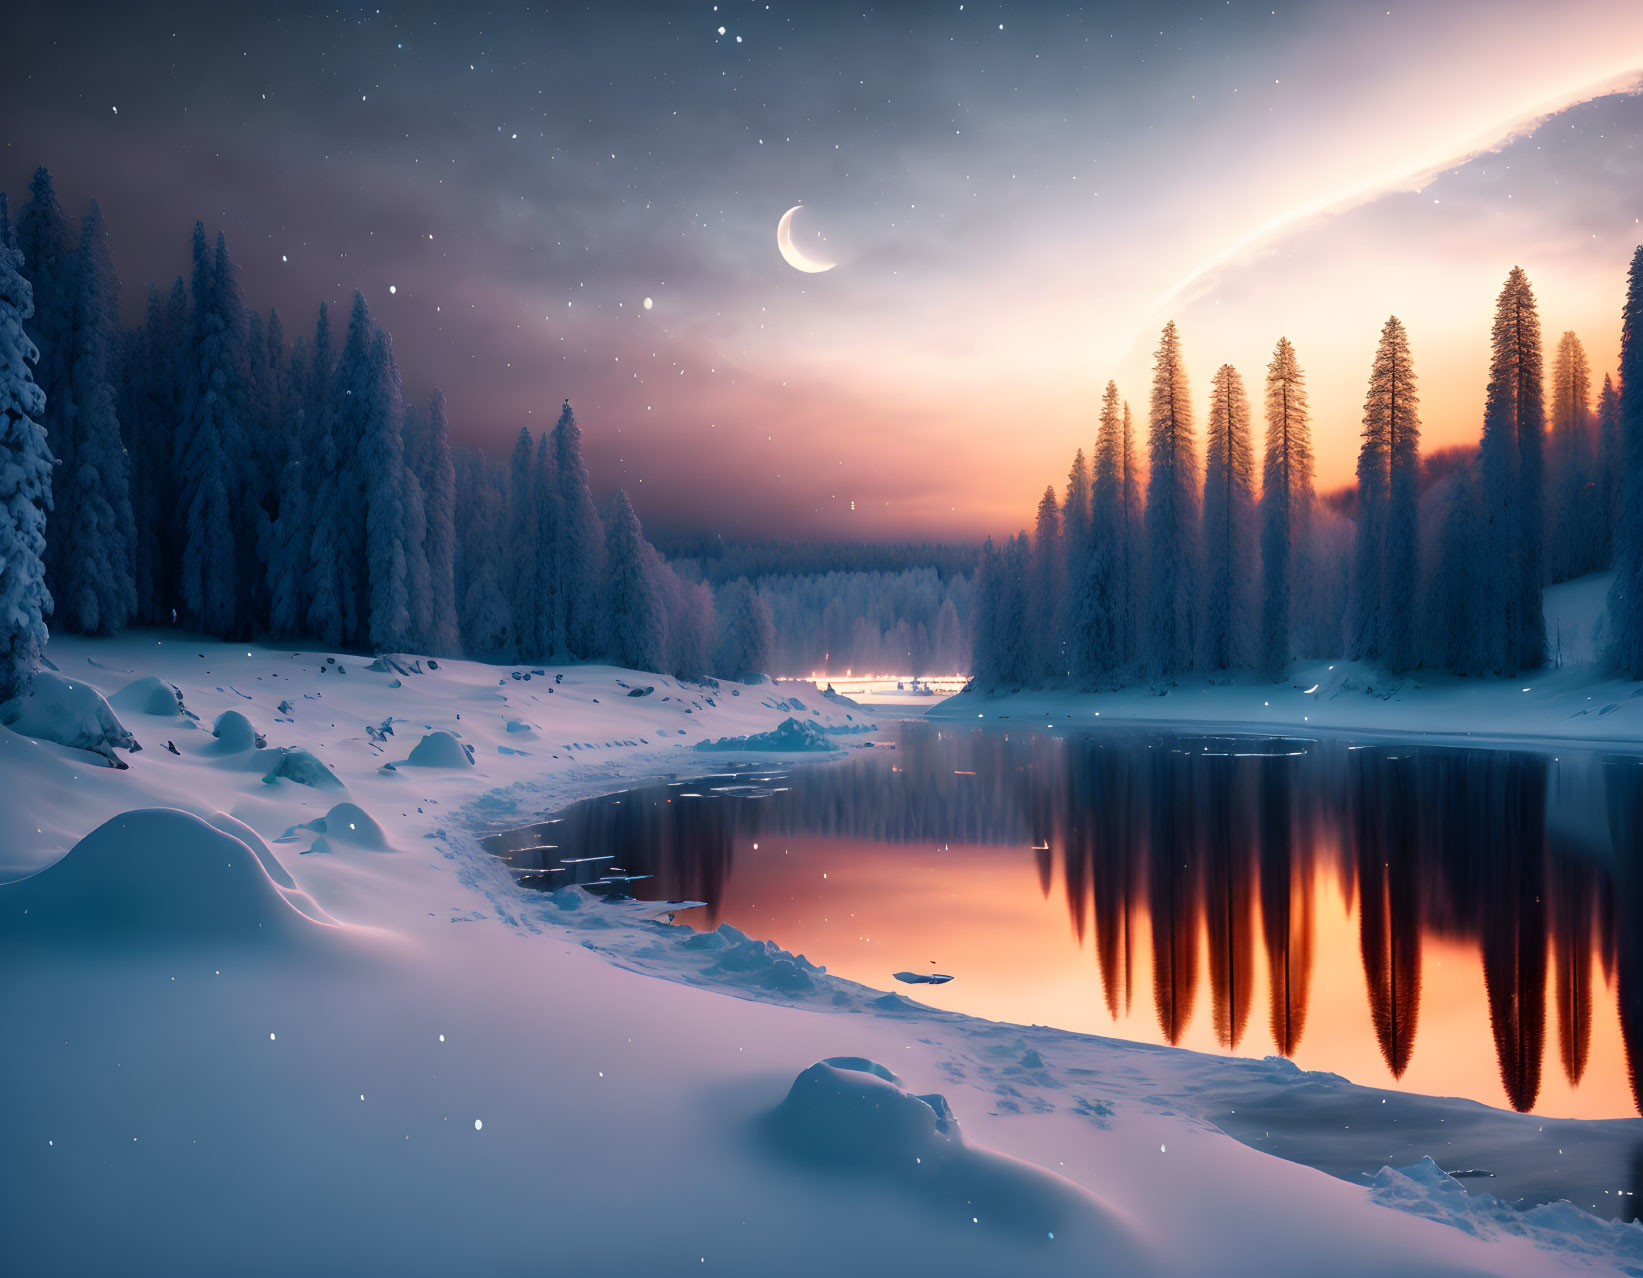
{"type": "Point", "coordinates": [1454, 921]}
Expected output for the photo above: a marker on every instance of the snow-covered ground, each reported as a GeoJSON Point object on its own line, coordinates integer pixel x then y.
{"type": "Point", "coordinates": [306, 1025]}
{"type": "Point", "coordinates": [1577, 701]}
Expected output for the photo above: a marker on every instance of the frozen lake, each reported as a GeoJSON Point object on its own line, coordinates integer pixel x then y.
{"type": "Point", "coordinates": [1442, 920]}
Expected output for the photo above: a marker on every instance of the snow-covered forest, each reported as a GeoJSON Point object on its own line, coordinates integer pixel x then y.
{"type": "Point", "coordinates": [202, 470]}
{"type": "Point", "coordinates": [1156, 562]}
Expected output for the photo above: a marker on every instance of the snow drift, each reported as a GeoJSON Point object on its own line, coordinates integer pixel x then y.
{"type": "Point", "coordinates": [158, 878]}
{"type": "Point", "coordinates": [848, 1114]}
{"type": "Point", "coordinates": [70, 713]}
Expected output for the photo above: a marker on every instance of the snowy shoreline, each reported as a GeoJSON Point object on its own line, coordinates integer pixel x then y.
{"type": "Point", "coordinates": [380, 1074]}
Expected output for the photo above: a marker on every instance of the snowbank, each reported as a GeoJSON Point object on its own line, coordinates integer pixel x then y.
{"type": "Point", "coordinates": [154, 878]}
{"type": "Point", "coordinates": [441, 750]}
{"type": "Point", "coordinates": [71, 713]}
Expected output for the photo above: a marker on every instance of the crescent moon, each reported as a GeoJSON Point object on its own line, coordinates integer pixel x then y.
{"type": "Point", "coordinates": [790, 251]}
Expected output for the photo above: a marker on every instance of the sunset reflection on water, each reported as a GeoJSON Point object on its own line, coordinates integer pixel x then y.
{"type": "Point", "coordinates": [1449, 921]}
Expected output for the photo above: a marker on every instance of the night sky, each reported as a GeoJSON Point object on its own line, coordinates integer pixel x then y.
{"type": "Point", "coordinates": [1016, 196]}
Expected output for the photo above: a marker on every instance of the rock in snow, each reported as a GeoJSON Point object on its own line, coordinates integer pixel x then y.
{"type": "Point", "coordinates": [69, 713]}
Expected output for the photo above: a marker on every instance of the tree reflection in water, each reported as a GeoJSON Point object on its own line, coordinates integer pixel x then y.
{"type": "Point", "coordinates": [1203, 849]}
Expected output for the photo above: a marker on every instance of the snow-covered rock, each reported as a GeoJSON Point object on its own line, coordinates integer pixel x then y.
{"type": "Point", "coordinates": [301, 766]}
{"type": "Point", "coordinates": [152, 696]}
{"type": "Point", "coordinates": [235, 734]}
{"type": "Point", "coordinates": [349, 823]}
{"type": "Point", "coordinates": [441, 749]}
{"type": "Point", "coordinates": [71, 713]}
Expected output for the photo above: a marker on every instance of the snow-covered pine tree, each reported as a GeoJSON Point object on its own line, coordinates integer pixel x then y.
{"type": "Point", "coordinates": [1611, 466]}
{"type": "Point", "coordinates": [25, 486]}
{"type": "Point", "coordinates": [634, 629]}
{"type": "Point", "coordinates": [1043, 621]}
{"type": "Point", "coordinates": [46, 239]}
{"type": "Point", "coordinates": [431, 462]}
{"type": "Point", "coordinates": [1511, 486]}
{"type": "Point", "coordinates": [95, 592]}
{"type": "Point", "coordinates": [393, 508]}
{"type": "Point", "coordinates": [1286, 508]}
{"type": "Point", "coordinates": [579, 541]}
{"type": "Point", "coordinates": [206, 457]}
{"type": "Point", "coordinates": [289, 533]}
{"type": "Point", "coordinates": [523, 549]}
{"type": "Point", "coordinates": [1574, 539]}
{"type": "Point", "coordinates": [1172, 517]}
{"type": "Point", "coordinates": [1227, 619]}
{"type": "Point", "coordinates": [1077, 621]}
{"type": "Point", "coordinates": [1130, 583]}
{"type": "Point", "coordinates": [338, 608]}
{"type": "Point", "coordinates": [1626, 595]}
{"type": "Point", "coordinates": [548, 559]}
{"type": "Point", "coordinates": [747, 639]}
{"type": "Point", "coordinates": [323, 469]}
{"type": "Point", "coordinates": [481, 500]}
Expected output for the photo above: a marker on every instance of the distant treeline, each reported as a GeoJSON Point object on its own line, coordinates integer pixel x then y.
{"type": "Point", "coordinates": [1437, 562]}
{"type": "Point", "coordinates": [202, 471]}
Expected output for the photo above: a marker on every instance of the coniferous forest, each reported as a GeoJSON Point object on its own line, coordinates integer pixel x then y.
{"type": "Point", "coordinates": [1433, 561]}
{"type": "Point", "coordinates": [206, 471]}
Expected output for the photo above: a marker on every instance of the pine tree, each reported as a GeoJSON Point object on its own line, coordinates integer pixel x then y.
{"type": "Point", "coordinates": [46, 240]}
{"type": "Point", "coordinates": [25, 485]}
{"type": "Point", "coordinates": [92, 522]}
{"type": "Point", "coordinates": [485, 621]}
{"type": "Point", "coordinates": [578, 544]}
{"type": "Point", "coordinates": [339, 604]}
{"type": "Point", "coordinates": [1611, 466]}
{"type": "Point", "coordinates": [392, 507]}
{"type": "Point", "coordinates": [985, 665]}
{"type": "Point", "coordinates": [1227, 623]}
{"type": "Point", "coordinates": [1574, 543]}
{"type": "Point", "coordinates": [1626, 595]}
{"type": "Point", "coordinates": [208, 476]}
{"type": "Point", "coordinates": [1077, 619]}
{"type": "Point", "coordinates": [548, 558]}
{"type": "Point", "coordinates": [1103, 594]}
{"type": "Point", "coordinates": [634, 635]}
{"type": "Point", "coordinates": [1386, 567]}
{"type": "Point", "coordinates": [431, 462]}
{"type": "Point", "coordinates": [523, 552]}
{"type": "Point", "coordinates": [1049, 574]}
{"type": "Point", "coordinates": [1172, 518]}
{"type": "Point", "coordinates": [1286, 507]}
{"type": "Point", "coordinates": [1511, 504]}
{"type": "Point", "coordinates": [746, 633]}
{"type": "Point", "coordinates": [1130, 556]}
